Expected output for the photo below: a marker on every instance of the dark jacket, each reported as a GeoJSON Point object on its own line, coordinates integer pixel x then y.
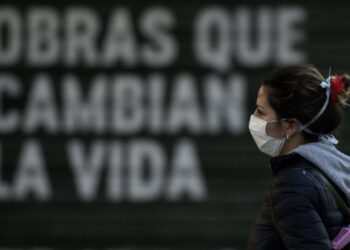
{"type": "Point", "coordinates": [305, 211]}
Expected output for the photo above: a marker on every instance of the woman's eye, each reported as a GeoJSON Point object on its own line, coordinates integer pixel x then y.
{"type": "Point", "coordinates": [259, 112]}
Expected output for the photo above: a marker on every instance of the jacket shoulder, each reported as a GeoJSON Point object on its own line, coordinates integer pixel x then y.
{"type": "Point", "coordinates": [293, 182]}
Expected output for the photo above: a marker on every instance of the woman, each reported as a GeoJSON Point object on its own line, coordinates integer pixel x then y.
{"type": "Point", "coordinates": [296, 112]}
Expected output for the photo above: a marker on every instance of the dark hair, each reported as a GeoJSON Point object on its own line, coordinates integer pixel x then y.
{"type": "Point", "coordinates": [295, 92]}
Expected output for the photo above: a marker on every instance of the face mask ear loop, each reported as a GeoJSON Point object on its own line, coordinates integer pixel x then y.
{"type": "Point", "coordinates": [285, 119]}
{"type": "Point", "coordinates": [280, 120]}
{"type": "Point", "coordinates": [322, 137]}
{"type": "Point", "coordinates": [327, 85]}
{"type": "Point", "coordinates": [272, 121]}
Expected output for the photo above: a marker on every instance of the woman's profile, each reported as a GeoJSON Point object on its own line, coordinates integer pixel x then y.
{"type": "Point", "coordinates": [297, 110]}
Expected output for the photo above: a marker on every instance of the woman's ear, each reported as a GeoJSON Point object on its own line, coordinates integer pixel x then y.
{"type": "Point", "coordinates": [291, 126]}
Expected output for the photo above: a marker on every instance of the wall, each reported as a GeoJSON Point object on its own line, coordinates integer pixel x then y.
{"type": "Point", "coordinates": [124, 124]}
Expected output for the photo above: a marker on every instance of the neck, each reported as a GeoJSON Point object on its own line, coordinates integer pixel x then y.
{"type": "Point", "coordinates": [292, 143]}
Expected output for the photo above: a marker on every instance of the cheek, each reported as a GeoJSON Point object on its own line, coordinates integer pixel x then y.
{"type": "Point", "coordinates": [270, 114]}
{"type": "Point", "coordinates": [274, 130]}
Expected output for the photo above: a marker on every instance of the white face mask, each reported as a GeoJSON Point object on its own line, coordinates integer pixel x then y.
{"type": "Point", "coordinates": [266, 144]}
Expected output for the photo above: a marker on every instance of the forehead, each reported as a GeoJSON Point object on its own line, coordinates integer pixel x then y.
{"type": "Point", "coordinates": [262, 99]}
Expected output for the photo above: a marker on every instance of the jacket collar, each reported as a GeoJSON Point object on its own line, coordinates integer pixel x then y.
{"type": "Point", "coordinates": [285, 161]}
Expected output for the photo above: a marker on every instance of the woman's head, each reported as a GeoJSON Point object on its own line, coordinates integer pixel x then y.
{"type": "Point", "coordinates": [294, 92]}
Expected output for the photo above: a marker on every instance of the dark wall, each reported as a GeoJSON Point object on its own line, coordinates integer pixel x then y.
{"type": "Point", "coordinates": [124, 124]}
